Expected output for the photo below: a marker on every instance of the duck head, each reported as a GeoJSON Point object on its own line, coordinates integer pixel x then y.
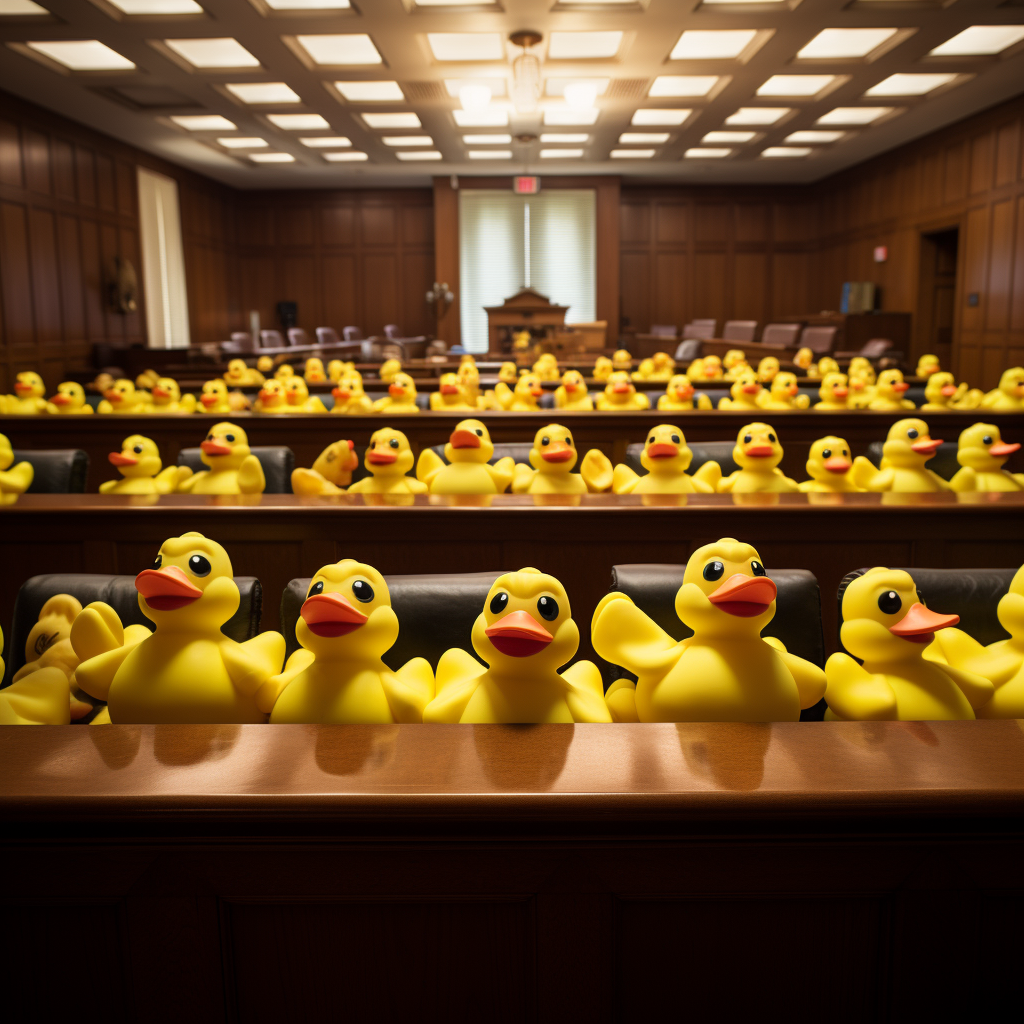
{"type": "Point", "coordinates": [553, 451]}
{"type": "Point", "coordinates": [138, 457]}
{"type": "Point", "coordinates": [803, 358]}
{"type": "Point", "coordinates": [469, 378]}
{"type": "Point", "coordinates": [863, 378]}
{"type": "Point", "coordinates": [884, 619]}
{"type": "Point", "coordinates": [295, 391]}
{"type": "Point", "coordinates": [29, 385]}
{"type": "Point", "coordinates": [284, 371]}
{"type": "Point", "coordinates": [826, 364]}
{"type": "Point", "coordinates": [679, 388]}
{"type": "Point", "coordinates": [746, 388]}
{"type": "Point", "coordinates": [829, 458]}
{"type": "Point", "coordinates": [941, 387]}
{"type": "Point", "coordinates": [712, 368]}
{"type": "Point", "coordinates": [336, 369]}
{"type": "Point", "coordinates": [574, 384]}
{"type": "Point", "coordinates": [528, 388]}
{"type": "Point", "coordinates": [214, 394]}
{"type": "Point", "coordinates": [337, 461]}
{"type": "Point", "coordinates": [69, 397]}
{"type": "Point", "coordinates": [526, 625]}
{"type": "Point", "coordinates": [388, 453]}
{"type": "Point", "coordinates": [225, 447]}
{"type": "Point", "coordinates": [644, 370]}
{"type": "Point", "coordinates": [237, 372]}
{"type": "Point", "coordinates": [666, 451]}
{"type": "Point", "coordinates": [349, 388]}
{"type": "Point", "coordinates": [784, 386]}
{"type": "Point", "coordinates": [619, 389]}
{"type": "Point", "coordinates": [314, 372]}
{"type": "Point", "coordinates": [603, 367]}
{"type": "Point", "coordinates": [402, 389]}
{"type": "Point", "coordinates": [927, 365]}
{"type": "Point", "coordinates": [909, 445]}
{"type": "Point", "coordinates": [509, 373]}
{"type": "Point", "coordinates": [390, 369]}
{"type": "Point", "coordinates": [767, 369]}
{"type": "Point", "coordinates": [467, 358]}
{"type": "Point", "coordinates": [166, 391]}
{"type": "Point", "coordinates": [891, 385]}
{"type": "Point", "coordinates": [833, 389]}
{"type": "Point", "coordinates": [1011, 383]}
{"type": "Point", "coordinates": [121, 394]}
{"type": "Point", "coordinates": [1010, 610]}
{"type": "Point", "coordinates": [272, 394]}
{"type": "Point", "coordinates": [622, 360]}
{"type": "Point", "coordinates": [448, 387]}
{"type": "Point", "coordinates": [858, 364]}
{"type": "Point", "coordinates": [982, 448]}
{"type": "Point", "coordinates": [470, 442]}
{"type": "Point", "coordinates": [734, 357]}
{"type": "Point", "coordinates": [757, 448]}
{"type": "Point", "coordinates": [663, 363]}
{"type": "Point", "coordinates": [546, 366]}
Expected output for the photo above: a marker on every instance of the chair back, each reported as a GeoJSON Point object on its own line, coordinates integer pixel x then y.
{"type": "Point", "coordinates": [688, 350]}
{"type": "Point", "coordinates": [943, 462]}
{"type": "Point", "coordinates": [818, 339]}
{"type": "Point", "coordinates": [277, 462]}
{"type": "Point", "coordinates": [392, 331]}
{"type": "Point", "coordinates": [875, 347]}
{"type": "Point", "coordinates": [664, 330]}
{"type": "Point", "coordinates": [271, 339]}
{"type": "Point", "coordinates": [703, 451]}
{"type": "Point", "coordinates": [699, 329]}
{"type": "Point", "coordinates": [243, 339]}
{"type": "Point", "coordinates": [56, 470]}
{"type": "Point", "coordinates": [739, 330]}
{"type": "Point", "coordinates": [780, 335]}
{"type": "Point", "coordinates": [327, 336]}
{"type": "Point", "coordinates": [518, 450]}
{"type": "Point", "coordinates": [297, 336]}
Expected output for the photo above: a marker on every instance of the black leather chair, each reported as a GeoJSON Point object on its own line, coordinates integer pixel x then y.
{"type": "Point", "coordinates": [57, 470]}
{"type": "Point", "coordinates": [277, 462]}
{"type": "Point", "coordinates": [435, 612]}
{"type": "Point", "coordinates": [943, 462]}
{"type": "Point", "coordinates": [703, 451]}
{"type": "Point", "coordinates": [518, 450]}
{"type": "Point", "coordinates": [120, 593]}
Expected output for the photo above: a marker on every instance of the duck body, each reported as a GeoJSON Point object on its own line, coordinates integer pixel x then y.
{"type": "Point", "coordinates": [982, 453]}
{"type": "Point", "coordinates": [468, 471]}
{"type": "Point", "coordinates": [888, 393]}
{"type": "Point", "coordinates": [829, 468]}
{"type": "Point", "coordinates": [572, 394]}
{"type": "Point", "coordinates": [214, 399]}
{"type": "Point", "coordinates": [758, 454]}
{"type": "Point", "coordinates": [233, 469]}
{"type": "Point", "coordinates": [784, 393]}
{"type": "Point", "coordinates": [450, 396]}
{"type": "Point", "coordinates": [1009, 395]}
{"type": "Point", "coordinates": [679, 396]}
{"type": "Point", "coordinates": [140, 466]}
{"type": "Point", "coordinates": [240, 375]}
{"type": "Point", "coordinates": [666, 457]}
{"type": "Point", "coordinates": [299, 399]}
{"type": "Point", "coordinates": [620, 395]}
{"type": "Point", "coordinates": [331, 472]}
{"type": "Point", "coordinates": [29, 398]}
{"type": "Point", "coordinates": [69, 400]}
{"type": "Point", "coordinates": [388, 459]}
{"type": "Point", "coordinates": [349, 397]}
{"type": "Point", "coordinates": [400, 399]}
{"type": "Point", "coordinates": [122, 399]}
{"type": "Point", "coordinates": [552, 459]}
{"type": "Point", "coordinates": [166, 399]}
{"type": "Point", "coordinates": [13, 479]}
{"type": "Point", "coordinates": [907, 448]}
{"type": "Point", "coordinates": [744, 394]}
{"type": "Point", "coordinates": [833, 393]}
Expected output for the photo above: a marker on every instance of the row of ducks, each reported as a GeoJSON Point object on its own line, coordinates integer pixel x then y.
{"type": "Point", "coordinates": [911, 663]}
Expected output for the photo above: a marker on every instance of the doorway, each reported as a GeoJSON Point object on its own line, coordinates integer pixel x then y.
{"type": "Point", "coordinates": [936, 304]}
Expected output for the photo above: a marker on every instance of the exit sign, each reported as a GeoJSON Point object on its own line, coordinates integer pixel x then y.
{"type": "Point", "coordinates": [526, 185]}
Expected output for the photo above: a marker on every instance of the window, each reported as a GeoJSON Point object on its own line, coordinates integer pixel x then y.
{"type": "Point", "coordinates": [507, 242]}
{"type": "Point", "coordinates": [163, 261]}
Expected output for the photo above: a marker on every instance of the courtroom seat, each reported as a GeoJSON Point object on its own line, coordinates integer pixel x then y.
{"type": "Point", "coordinates": [818, 339]}
{"type": "Point", "coordinates": [277, 462]}
{"type": "Point", "coordinates": [780, 335]}
{"type": "Point", "coordinates": [120, 593]}
{"type": "Point", "coordinates": [327, 336]}
{"type": "Point", "coordinates": [271, 339]}
{"type": "Point", "coordinates": [547, 400]}
{"type": "Point", "coordinates": [873, 349]}
{"type": "Point", "coordinates": [351, 333]}
{"type": "Point", "coordinates": [297, 336]}
{"type": "Point", "coordinates": [392, 332]}
{"type": "Point", "coordinates": [687, 350]}
{"type": "Point", "coordinates": [943, 462]}
{"type": "Point", "coordinates": [664, 330]}
{"type": "Point", "coordinates": [739, 330]}
{"type": "Point", "coordinates": [435, 613]}
{"type": "Point", "coordinates": [703, 451]}
{"type": "Point", "coordinates": [57, 470]}
{"type": "Point", "coordinates": [518, 450]}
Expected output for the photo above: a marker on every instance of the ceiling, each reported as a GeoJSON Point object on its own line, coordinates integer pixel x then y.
{"type": "Point", "coordinates": [395, 41]}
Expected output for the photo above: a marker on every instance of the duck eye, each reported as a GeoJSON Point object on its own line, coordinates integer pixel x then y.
{"type": "Point", "coordinates": [137, 449]}
{"type": "Point", "coordinates": [545, 440]}
{"type": "Point", "coordinates": [479, 433]}
{"type": "Point", "coordinates": [229, 437]}
{"type": "Point", "coordinates": [199, 566]}
{"type": "Point", "coordinates": [209, 437]}
{"type": "Point", "coordinates": [568, 440]}
{"type": "Point", "coordinates": [846, 454]}
{"type": "Point", "coordinates": [675, 439]}
{"type": "Point", "coordinates": [317, 588]}
{"type": "Point", "coordinates": [827, 453]}
{"type": "Point", "coordinates": [757, 568]}
{"type": "Point", "coordinates": [548, 608]}
{"type": "Point", "coordinates": [747, 438]}
{"type": "Point", "coordinates": [158, 561]}
{"type": "Point", "coordinates": [911, 433]}
{"type": "Point", "coordinates": [362, 591]}
{"type": "Point", "coordinates": [394, 442]}
{"type": "Point", "coordinates": [889, 603]}
{"type": "Point", "coordinates": [498, 602]}
{"type": "Point", "coordinates": [713, 571]}
{"type": "Point", "coordinates": [650, 440]}
{"type": "Point", "coordinates": [771, 437]}
{"type": "Point", "coordinates": [986, 440]}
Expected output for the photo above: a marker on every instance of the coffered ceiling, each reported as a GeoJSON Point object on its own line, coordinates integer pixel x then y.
{"type": "Point", "coordinates": [315, 93]}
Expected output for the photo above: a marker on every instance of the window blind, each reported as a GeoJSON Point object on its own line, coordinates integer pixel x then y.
{"type": "Point", "coordinates": [163, 261]}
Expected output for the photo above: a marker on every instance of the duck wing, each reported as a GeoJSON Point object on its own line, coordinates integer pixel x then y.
{"type": "Point", "coordinates": [523, 478]}
{"type": "Point", "coordinates": [854, 693]}
{"type": "Point", "coordinates": [269, 691]}
{"type": "Point", "coordinates": [585, 694]}
{"type": "Point", "coordinates": [409, 690]}
{"type": "Point", "coordinates": [624, 635]}
{"type": "Point", "coordinates": [428, 465]}
{"type": "Point", "coordinates": [596, 470]}
{"type": "Point", "coordinates": [621, 701]}
{"type": "Point", "coordinates": [250, 476]}
{"type": "Point", "coordinates": [503, 473]}
{"type": "Point", "coordinates": [41, 698]}
{"type": "Point", "coordinates": [252, 663]}
{"type": "Point", "coordinates": [810, 680]}
{"type": "Point", "coordinates": [458, 675]}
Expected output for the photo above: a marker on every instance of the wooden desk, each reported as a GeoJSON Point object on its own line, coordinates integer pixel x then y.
{"type": "Point", "coordinates": [548, 873]}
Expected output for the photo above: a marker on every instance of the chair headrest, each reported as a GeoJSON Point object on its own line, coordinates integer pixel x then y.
{"type": "Point", "coordinates": [277, 462]}
{"type": "Point", "coordinates": [57, 470]}
{"type": "Point", "coordinates": [943, 462]}
{"type": "Point", "coordinates": [703, 451]}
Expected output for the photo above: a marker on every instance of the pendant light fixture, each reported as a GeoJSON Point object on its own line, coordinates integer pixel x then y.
{"type": "Point", "coordinates": [526, 82]}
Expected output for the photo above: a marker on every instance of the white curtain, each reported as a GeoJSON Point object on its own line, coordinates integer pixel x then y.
{"type": "Point", "coordinates": [163, 261]}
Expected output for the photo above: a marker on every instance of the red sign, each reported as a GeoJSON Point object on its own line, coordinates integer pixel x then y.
{"type": "Point", "coordinates": [881, 253]}
{"type": "Point", "coordinates": [526, 185]}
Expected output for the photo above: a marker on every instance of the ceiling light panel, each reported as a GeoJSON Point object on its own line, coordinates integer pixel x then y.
{"type": "Point", "coordinates": [262, 92]}
{"type": "Point", "coordinates": [456, 85]}
{"type": "Point", "coordinates": [337, 50]}
{"type": "Point", "coordinates": [812, 137]}
{"type": "Point", "coordinates": [424, 154]}
{"type": "Point", "coordinates": [237, 142]}
{"type": "Point", "coordinates": [583, 45]}
{"type": "Point", "coordinates": [490, 154]}
{"type": "Point", "coordinates": [706, 153]}
{"type": "Point", "coordinates": [712, 44]}
{"type": "Point", "coordinates": [326, 141]}
{"type": "Point", "coordinates": [683, 85]}
{"type": "Point", "coordinates": [758, 115]}
{"type": "Point", "coordinates": [773, 152]}
{"type": "Point", "coordinates": [488, 140]}
{"type": "Point", "coordinates": [796, 85]}
{"type": "Point", "coordinates": [556, 86]}
{"type": "Point", "coordinates": [910, 84]}
{"type": "Point", "coordinates": [203, 122]}
{"type": "Point", "coordinates": [729, 137]}
{"type": "Point", "coordinates": [474, 46]}
{"type": "Point", "coordinates": [643, 138]}
{"type": "Point", "coordinates": [349, 156]}
{"type": "Point", "coordinates": [151, 7]}
{"type": "Point", "coordinates": [980, 41]}
{"type": "Point", "coordinates": [561, 154]}
{"type": "Point", "coordinates": [655, 117]}
{"type": "Point", "coordinates": [553, 137]}
{"type": "Point", "coordinates": [308, 5]}
{"type": "Point", "coordinates": [271, 158]}
{"type": "Point", "coordinates": [213, 53]}
{"type": "Point", "coordinates": [569, 116]}
{"type": "Point", "coordinates": [21, 8]}
{"type": "Point", "coordinates": [412, 140]}
{"type": "Point", "coordinates": [845, 43]}
{"type": "Point", "coordinates": [489, 117]}
{"type": "Point", "coordinates": [404, 120]}
{"type": "Point", "coordinates": [83, 55]}
{"type": "Point", "coordinates": [854, 115]}
{"type": "Point", "coordinates": [370, 92]}
{"type": "Point", "coordinates": [632, 154]}
{"type": "Point", "coordinates": [298, 122]}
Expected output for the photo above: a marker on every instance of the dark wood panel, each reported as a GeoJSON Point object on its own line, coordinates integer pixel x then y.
{"type": "Point", "coordinates": [19, 327]}
{"type": "Point", "coordinates": [95, 323]}
{"type": "Point", "coordinates": [46, 285]}
{"type": "Point", "coordinates": [71, 284]}
{"type": "Point", "coordinates": [85, 172]}
{"type": "Point", "coordinates": [37, 162]}
{"type": "Point", "coordinates": [380, 290]}
{"type": "Point", "coordinates": [417, 225]}
{"type": "Point", "coordinates": [338, 225]}
{"type": "Point", "coordinates": [105, 187]}
{"type": "Point", "coordinates": [377, 224]}
{"type": "Point", "coordinates": [299, 284]}
{"type": "Point", "coordinates": [751, 222]}
{"type": "Point", "coordinates": [339, 291]}
{"type": "Point", "coordinates": [10, 154]}
{"type": "Point", "coordinates": [294, 225]}
{"type": "Point", "coordinates": [635, 269]}
{"type": "Point", "coordinates": [63, 156]}
{"type": "Point", "coordinates": [671, 222]}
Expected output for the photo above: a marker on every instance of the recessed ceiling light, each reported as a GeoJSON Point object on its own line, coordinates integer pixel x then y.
{"type": "Point", "coordinates": [728, 136]}
{"type": "Point", "coordinates": [706, 154]}
{"type": "Point", "coordinates": [475, 46]}
{"type": "Point", "coordinates": [475, 97]}
{"type": "Point", "coordinates": [560, 154]}
{"type": "Point", "coordinates": [490, 154]}
{"type": "Point", "coordinates": [569, 115]}
{"type": "Point", "coordinates": [632, 154]}
{"type": "Point", "coordinates": [683, 85]}
{"type": "Point", "coordinates": [83, 55]}
{"type": "Point", "coordinates": [203, 122]}
{"type": "Point", "coordinates": [420, 154]}
{"type": "Point", "coordinates": [262, 92]}
{"type": "Point", "coordinates": [349, 156]}
{"type": "Point", "coordinates": [749, 3]}
{"type": "Point", "coordinates": [237, 142]}
{"type": "Point", "coordinates": [489, 117]}
{"type": "Point", "coordinates": [365, 92]}
{"type": "Point", "coordinates": [549, 137]}
{"type": "Point", "coordinates": [795, 85]}
{"type": "Point", "coordinates": [980, 40]}
{"type": "Point", "coordinates": [577, 3]}
{"type": "Point", "coordinates": [643, 138]}
{"type": "Point", "coordinates": [583, 45]}
{"type": "Point", "coordinates": [156, 6]}
{"type": "Point", "coordinates": [712, 44]}
{"type": "Point", "coordinates": [784, 151]}
{"type": "Point", "coordinates": [298, 122]}
{"type": "Point", "coordinates": [308, 5]}
{"type": "Point", "coordinates": [456, 85]}
{"type": "Point", "coordinates": [410, 140]}
{"type": "Point", "coordinates": [356, 48]}
{"type": "Point", "coordinates": [909, 84]}
{"type": "Point", "coordinates": [326, 141]}
{"type": "Point", "coordinates": [758, 115]}
{"type": "Point", "coordinates": [489, 140]}
{"type": "Point", "coordinates": [557, 86]}
{"type": "Point", "coordinates": [813, 137]}
{"type": "Point", "coordinates": [854, 115]}
{"type": "Point", "coordinates": [408, 120]}
{"type": "Point", "coordinates": [213, 53]}
{"type": "Point", "coordinates": [21, 8]}
{"type": "Point", "coordinates": [650, 116]}
{"type": "Point", "coordinates": [271, 158]}
{"type": "Point", "coordinates": [845, 43]}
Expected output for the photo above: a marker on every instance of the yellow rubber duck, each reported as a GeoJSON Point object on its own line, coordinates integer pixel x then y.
{"type": "Point", "coordinates": [725, 672]}
{"type": "Point", "coordinates": [1009, 396]}
{"type": "Point", "coordinates": [664, 366]}
{"type": "Point", "coordinates": [546, 367]}
{"type": "Point", "coordinates": [524, 634]}
{"type": "Point", "coordinates": [552, 459]}
{"type": "Point", "coordinates": [186, 670]}
{"type": "Point", "coordinates": [299, 399]}
{"type": "Point", "coordinates": [942, 394]}
{"type": "Point", "coordinates": [29, 396]}
{"type": "Point", "coordinates": [388, 459]}
{"type": "Point", "coordinates": [337, 677]}
{"type": "Point", "coordinates": [733, 358]}
{"type": "Point", "coordinates": [331, 472]}
{"type": "Point", "coordinates": [758, 454]}
{"type": "Point", "coordinates": [349, 397]}
{"type": "Point", "coordinates": [140, 467]}
{"type": "Point", "coordinates": [271, 397]}
{"type": "Point", "coordinates": [927, 365]}
{"type": "Point", "coordinates": [337, 368]}
{"type": "Point", "coordinates": [69, 400]}
{"type": "Point", "coordinates": [523, 397]}
{"type": "Point", "coordinates": [620, 395]}
{"type": "Point", "coordinates": [233, 467]}
{"type": "Point", "coordinates": [679, 396]}
{"type": "Point", "coordinates": [522, 342]}
{"type": "Point", "coordinates": [467, 358]}
{"type": "Point", "coordinates": [469, 380]}
{"type": "Point", "coordinates": [314, 371]}
{"type": "Point", "coordinates": [886, 626]}
{"type": "Point", "coordinates": [645, 371]}
{"type": "Point", "coordinates": [982, 453]}
{"type": "Point", "coordinates": [17, 480]}
{"type": "Point", "coordinates": [666, 457]}
{"type": "Point", "coordinates": [713, 368]}
{"type": "Point", "coordinates": [401, 397]}
{"type": "Point", "coordinates": [122, 399]}
{"type": "Point", "coordinates": [862, 390]}
{"type": "Point", "coordinates": [145, 380]}
{"type": "Point", "coordinates": [239, 375]}
{"type": "Point", "coordinates": [784, 393]}
{"type": "Point", "coordinates": [237, 402]}
{"type": "Point", "coordinates": [745, 393]}
{"type": "Point", "coordinates": [42, 698]}
{"type": "Point", "coordinates": [572, 393]}
{"type": "Point", "coordinates": [389, 370]}
{"type": "Point", "coordinates": [508, 373]}
{"type": "Point", "coordinates": [907, 448]}
{"type": "Point", "coordinates": [767, 369]}
{"type": "Point", "coordinates": [889, 391]}
{"type": "Point", "coordinates": [737, 370]}
{"type": "Point", "coordinates": [1001, 663]}
{"type": "Point", "coordinates": [449, 396]}
{"type": "Point", "coordinates": [603, 368]}
{"type": "Point", "coordinates": [825, 365]}
{"type": "Point", "coordinates": [264, 364]}
{"type": "Point", "coordinates": [166, 399]}
{"type": "Point", "coordinates": [695, 371]}
{"type": "Point", "coordinates": [467, 472]}
{"type": "Point", "coordinates": [622, 360]}
{"type": "Point", "coordinates": [859, 364]}
{"type": "Point", "coordinates": [833, 393]}
{"type": "Point", "coordinates": [804, 359]}
{"type": "Point", "coordinates": [214, 399]}
{"type": "Point", "coordinates": [284, 371]}
{"type": "Point", "coordinates": [830, 468]}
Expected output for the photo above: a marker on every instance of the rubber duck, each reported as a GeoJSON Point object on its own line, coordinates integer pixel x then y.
{"type": "Point", "coordinates": [666, 457]}
{"type": "Point", "coordinates": [644, 371]}
{"type": "Point", "coordinates": [784, 393]}
{"type": "Point", "coordinates": [825, 365]}
{"type": "Point", "coordinates": [337, 368]}
{"type": "Point", "coordinates": [349, 397]}
{"type": "Point", "coordinates": [265, 364]}
{"type": "Point", "coordinates": [284, 371]}
{"type": "Point", "coordinates": [679, 395]}
{"type": "Point", "coordinates": [401, 397]}
{"type": "Point", "coordinates": [982, 453]}
{"type": "Point", "coordinates": [390, 369]}
{"type": "Point", "coordinates": [733, 357]}
{"type": "Point", "coordinates": [725, 672]}
{"type": "Point", "coordinates": [213, 399]}
{"type": "Point", "coordinates": [622, 360]}
{"type": "Point", "coordinates": [145, 380]}
{"type": "Point", "coordinates": [1009, 396]}
{"type": "Point", "coordinates": [830, 468]}
{"type": "Point", "coordinates": [388, 459]}
{"type": "Point", "coordinates": [331, 472]}
{"type": "Point", "coordinates": [467, 471]}
{"type": "Point", "coordinates": [907, 448]}
{"type": "Point", "coordinates": [523, 397]}
{"type": "Point", "coordinates": [524, 634]}
{"type": "Point", "coordinates": [887, 627]}
{"type": "Point", "coordinates": [758, 454]}
{"type": "Point", "coordinates": [17, 480]}
{"type": "Point", "coordinates": [449, 396]}
{"type": "Point", "coordinates": [522, 342]}
{"type": "Point", "coordinates": [942, 394]}
{"type": "Point", "coordinates": [337, 677]}
{"type": "Point", "coordinates": [508, 373]}
{"type": "Point", "coordinates": [552, 459]}
{"type": "Point", "coordinates": [1001, 663]}
{"type": "Point", "coordinates": [314, 371]}
{"type": "Point", "coordinates": [804, 359]}
{"type": "Point", "coordinates": [469, 380]}
{"type": "Point", "coordinates": [620, 395]}
{"type": "Point", "coordinates": [43, 698]}
{"type": "Point", "coordinates": [271, 397]}
{"type": "Point", "coordinates": [186, 670]}
{"type": "Point", "coordinates": [546, 367]}
{"type": "Point", "coordinates": [233, 467]}
{"type": "Point", "coordinates": [299, 399]}
{"type": "Point", "coordinates": [744, 394]}
{"type": "Point", "coordinates": [239, 375]}
{"type": "Point", "coordinates": [572, 393]}
{"type": "Point", "coordinates": [767, 369]}
{"type": "Point", "coordinates": [862, 388]}
{"type": "Point", "coordinates": [103, 381]}
{"type": "Point", "coordinates": [889, 391]}
{"type": "Point", "coordinates": [166, 399]}
{"type": "Point", "coordinates": [29, 398]}
{"type": "Point", "coordinates": [927, 365]}
{"type": "Point", "coordinates": [69, 400]}
{"type": "Point", "coordinates": [140, 465]}
{"type": "Point", "coordinates": [603, 368]}
{"type": "Point", "coordinates": [122, 399]}
{"type": "Point", "coordinates": [833, 393]}
{"type": "Point", "coordinates": [712, 368]}
{"type": "Point", "coordinates": [858, 365]}
{"type": "Point", "coordinates": [664, 366]}
{"type": "Point", "coordinates": [467, 359]}
{"type": "Point", "coordinates": [737, 370]}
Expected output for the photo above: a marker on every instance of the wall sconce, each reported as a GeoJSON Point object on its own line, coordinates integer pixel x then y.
{"type": "Point", "coordinates": [440, 297]}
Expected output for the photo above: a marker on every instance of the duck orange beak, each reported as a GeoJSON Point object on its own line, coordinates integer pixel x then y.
{"type": "Point", "coordinates": [60, 399]}
{"type": "Point", "coordinates": [22, 387]}
{"type": "Point", "coordinates": [212, 399]}
{"type": "Point", "coordinates": [571, 387]}
{"type": "Point", "coordinates": [166, 590]}
{"type": "Point", "coordinates": [378, 458]}
{"type": "Point", "coordinates": [760, 451]}
{"type": "Point", "coordinates": [396, 390]}
{"type": "Point", "coordinates": [536, 392]}
{"type": "Point", "coordinates": [449, 389]}
{"type": "Point", "coordinates": [464, 439]}
{"type": "Point", "coordinates": [684, 393]}
{"type": "Point", "coordinates": [1003, 449]}
{"type": "Point", "coordinates": [857, 385]}
{"type": "Point", "coordinates": [901, 387]}
{"type": "Point", "coordinates": [557, 451]}
{"type": "Point", "coordinates": [792, 390]}
{"type": "Point", "coordinates": [662, 450]}
{"type": "Point", "coordinates": [744, 596]}
{"type": "Point", "coordinates": [340, 395]}
{"type": "Point", "coordinates": [215, 448]}
{"type": "Point", "coordinates": [840, 392]}
{"type": "Point", "coordinates": [331, 615]}
{"type": "Point", "coordinates": [117, 459]}
{"type": "Point", "coordinates": [621, 389]}
{"type": "Point", "coordinates": [518, 635]}
{"type": "Point", "coordinates": [160, 393]}
{"type": "Point", "coordinates": [837, 464]}
{"type": "Point", "coordinates": [926, 446]}
{"type": "Point", "coordinates": [949, 390]}
{"type": "Point", "coordinates": [919, 624]}
{"type": "Point", "coordinates": [110, 396]}
{"type": "Point", "coordinates": [750, 389]}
